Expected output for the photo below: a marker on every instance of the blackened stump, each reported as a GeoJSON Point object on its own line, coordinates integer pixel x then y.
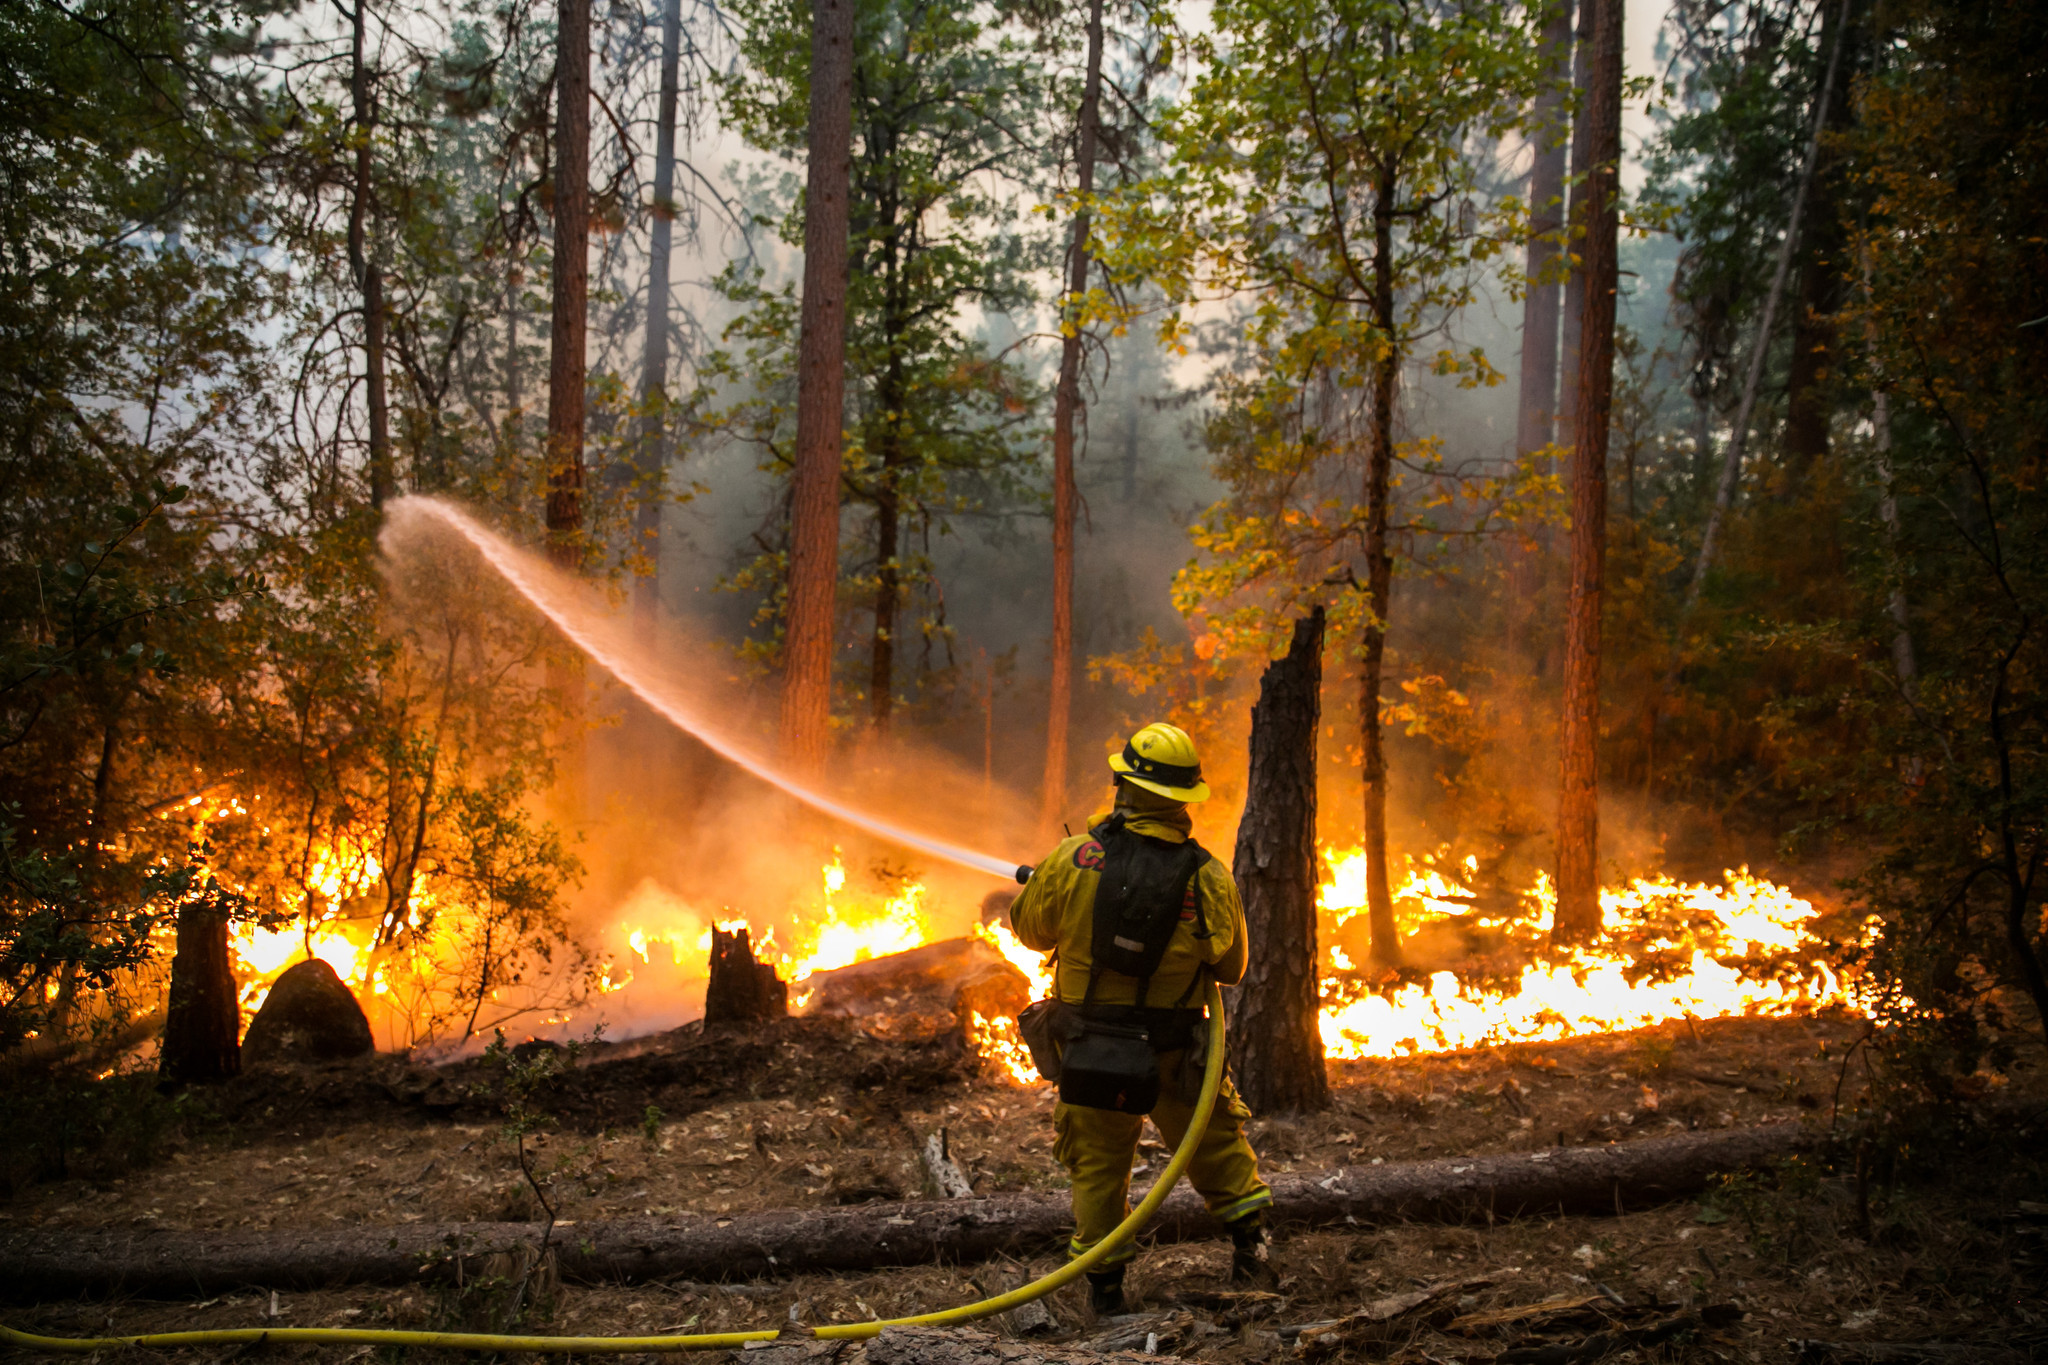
{"type": "Point", "coordinates": [741, 990]}
{"type": "Point", "coordinates": [202, 1020]}
{"type": "Point", "coordinates": [1276, 1048]}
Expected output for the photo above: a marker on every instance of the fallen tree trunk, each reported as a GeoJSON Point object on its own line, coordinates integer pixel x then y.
{"type": "Point", "coordinates": [46, 1263]}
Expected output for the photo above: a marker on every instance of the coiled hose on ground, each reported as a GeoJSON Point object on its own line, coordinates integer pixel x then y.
{"type": "Point", "coordinates": [1212, 1081]}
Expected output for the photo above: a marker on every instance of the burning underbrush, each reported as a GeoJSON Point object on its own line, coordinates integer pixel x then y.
{"type": "Point", "coordinates": [1475, 969]}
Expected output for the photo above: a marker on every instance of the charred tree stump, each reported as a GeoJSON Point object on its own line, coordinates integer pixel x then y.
{"type": "Point", "coordinates": [741, 990]}
{"type": "Point", "coordinates": [202, 1025]}
{"type": "Point", "coordinates": [1276, 1048]}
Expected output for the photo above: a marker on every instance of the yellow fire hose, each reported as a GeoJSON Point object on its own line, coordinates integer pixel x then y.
{"type": "Point", "coordinates": [1212, 1081]}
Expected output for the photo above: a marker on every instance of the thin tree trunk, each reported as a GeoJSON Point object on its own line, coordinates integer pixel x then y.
{"type": "Point", "coordinates": [369, 279]}
{"type": "Point", "coordinates": [1379, 580]}
{"type": "Point", "coordinates": [515, 390]}
{"type": "Point", "coordinates": [571, 283]}
{"type": "Point", "coordinates": [202, 1025]}
{"type": "Point", "coordinates": [821, 393]}
{"type": "Point", "coordinates": [1065, 409]}
{"type": "Point", "coordinates": [1738, 439]}
{"type": "Point", "coordinates": [1578, 820]}
{"type": "Point", "coordinates": [1904, 661]}
{"type": "Point", "coordinates": [654, 355]}
{"type": "Point", "coordinates": [1276, 1045]}
{"type": "Point", "coordinates": [1574, 310]}
{"type": "Point", "coordinates": [1536, 422]}
{"type": "Point", "coordinates": [1535, 425]}
{"type": "Point", "coordinates": [888, 568]}
{"type": "Point", "coordinates": [1809, 398]}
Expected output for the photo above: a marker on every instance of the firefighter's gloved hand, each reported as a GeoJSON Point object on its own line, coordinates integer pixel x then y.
{"type": "Point", "coordinates": [1024, 871]}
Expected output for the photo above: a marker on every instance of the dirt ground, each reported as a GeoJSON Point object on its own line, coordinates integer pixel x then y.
{"type": "Point", "coordinates": [813, 1114]}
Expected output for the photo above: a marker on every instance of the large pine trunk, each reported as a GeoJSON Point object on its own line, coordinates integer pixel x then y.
{"type": "Point", "coordinates": [1276, 1048]}
{"type": "Point", "coordinates": [202, 1024]}
{"type": "Point", "coordinates": [821, 393]}
{"type": "Point", "coordinates": [1066, 407]}
{"type": "Point", "coordinates": [654, 356]}
{"type": "Point", "coordinates": [571, 282]}
{"type": "Point", "coordinates": [1578, 822]}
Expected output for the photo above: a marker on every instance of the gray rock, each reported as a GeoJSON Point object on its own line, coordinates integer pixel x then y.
{"type": "Point", "coordinates": [309, 1016]}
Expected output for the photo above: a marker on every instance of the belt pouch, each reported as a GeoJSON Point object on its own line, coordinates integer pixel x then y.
{"type": "Point", "coordinates": [1111, 1066]}
{"type": "Point", "coordinates": [1044, 1026]}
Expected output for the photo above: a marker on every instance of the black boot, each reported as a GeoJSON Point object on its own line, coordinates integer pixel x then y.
{"type": "Point", "coordinates": [1106, 1292]}
{"type": "Point", "coordinates": [1251, 1261]}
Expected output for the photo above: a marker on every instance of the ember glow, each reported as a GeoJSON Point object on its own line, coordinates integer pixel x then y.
{"type": "Point", "coordinates": [997, 1040]}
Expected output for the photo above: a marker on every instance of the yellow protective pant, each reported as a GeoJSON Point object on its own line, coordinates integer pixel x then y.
{"type": "Point", "coordinates": [1097, 1147]}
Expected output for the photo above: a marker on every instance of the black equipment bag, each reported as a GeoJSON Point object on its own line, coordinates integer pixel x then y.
{"type": "Point", "coordinates": [1142, 889]}
{"type": "Point", "coordinates": [1111, 1055]}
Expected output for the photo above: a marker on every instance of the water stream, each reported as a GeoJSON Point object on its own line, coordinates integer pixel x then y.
{"type": "Point", "coordinates": [587, 628]}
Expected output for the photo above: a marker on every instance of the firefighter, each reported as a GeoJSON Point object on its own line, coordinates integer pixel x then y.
{"type": "Point", "coordinates": [1142, 843]}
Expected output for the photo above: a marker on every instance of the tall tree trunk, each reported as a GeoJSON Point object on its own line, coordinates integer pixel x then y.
{"type": "Point", "coordinates": [368, 278]}
{"type": "Point", "coordinates": [202, 1026]}
{"type": "Point", "coordinates": [1578, 819]}
{"type": "Point", "coordinates": [1535, 425]}
{"type": "Point", "coordinates": [1738, 439]}
{"type": "Point", "coordinates": [821, 395]}
{"type": "Point", "coordinates": [1276, 1045]}
{"type": "Point", "coordinates": [1379, 578]}
{"type": "Point", "coordinates": [654, 355]}
{"type": "Point", "coordinates": [1573, 316]}
{"type": "Point", "coordinates": [571, 283]}
{"type": "Point", "coordinates": [1066, 407]}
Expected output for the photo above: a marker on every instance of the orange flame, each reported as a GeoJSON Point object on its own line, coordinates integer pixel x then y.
{"type": "Point", "coordinates": [1705, 938]}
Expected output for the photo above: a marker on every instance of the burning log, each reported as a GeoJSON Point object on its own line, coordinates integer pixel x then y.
{"type": "Point", "coordinates": [928, 978]}
{"type": "Point", "coordinates": [47, 1263]}
{"type": "Point", "coordinates": [741, 990]}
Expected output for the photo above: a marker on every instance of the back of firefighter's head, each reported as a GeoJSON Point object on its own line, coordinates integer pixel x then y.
{"type": "Point", "coordinates": [1162, 759]}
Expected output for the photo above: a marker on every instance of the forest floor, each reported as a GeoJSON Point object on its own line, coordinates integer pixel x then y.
{"type": "Point", "coordinates": [816, 1112]}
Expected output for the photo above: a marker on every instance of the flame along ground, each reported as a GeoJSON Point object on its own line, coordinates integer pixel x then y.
{"type": "Point", "coordinates": [1674, 950]}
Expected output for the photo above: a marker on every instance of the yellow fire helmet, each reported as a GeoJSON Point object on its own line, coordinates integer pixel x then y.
{"type": "Point", "coordinates": [1161, 758]}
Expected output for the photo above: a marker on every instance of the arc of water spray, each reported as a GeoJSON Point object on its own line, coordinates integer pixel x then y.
{"type": "Point", "coordinates": [528, 580]}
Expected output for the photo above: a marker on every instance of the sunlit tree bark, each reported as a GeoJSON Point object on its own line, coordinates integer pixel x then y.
{"type": "Point", "coordinates": [821, 381]}
{"type": "Point", "coordinates": [1578, 824]}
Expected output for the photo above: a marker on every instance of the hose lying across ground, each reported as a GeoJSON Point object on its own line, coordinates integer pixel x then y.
{"type": "Point", "coordinates": [1212, 1080]}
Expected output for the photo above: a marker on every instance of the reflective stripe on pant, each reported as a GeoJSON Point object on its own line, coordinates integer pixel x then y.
{"type": "Point", "coordinates": [1097, 1147]}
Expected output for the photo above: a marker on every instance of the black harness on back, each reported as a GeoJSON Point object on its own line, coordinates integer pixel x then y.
{"type": "Point", "coordinates": [1106, 1056]}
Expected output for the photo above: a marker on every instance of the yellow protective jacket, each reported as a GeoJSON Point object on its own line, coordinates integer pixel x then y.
{"type": "Point", "coordinates": [1057, 913]}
